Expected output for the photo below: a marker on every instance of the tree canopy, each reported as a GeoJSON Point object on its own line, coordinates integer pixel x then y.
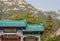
{"type": "Point", "coordinates": [28, 16]}
{"type": "Point", "coordinates": [50, 28]}
{"type": "Point", "coordinates": [57, 38]}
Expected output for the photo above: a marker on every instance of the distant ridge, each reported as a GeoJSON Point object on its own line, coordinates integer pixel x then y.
{"type": "Point", "coordinates": [12, 7]}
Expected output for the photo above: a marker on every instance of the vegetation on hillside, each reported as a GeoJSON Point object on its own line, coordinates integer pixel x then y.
{"type": "Point", "coordinates": [28, 16]}
{"type": "Point", "coordinates": [58, 23]}
{"type": "Point", "coordinates": [57, 38]}
{"type": "Point", "coordinates": [50, 28]}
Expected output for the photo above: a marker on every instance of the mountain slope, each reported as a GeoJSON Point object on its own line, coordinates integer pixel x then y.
{"type": "Point", "coordinates": [12, 7]}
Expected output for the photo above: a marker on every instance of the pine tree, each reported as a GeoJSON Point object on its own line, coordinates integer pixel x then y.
{"type": "Point", "coordinates": [50, 28]}
{"type": "Point", "coordinates": [50, 24]}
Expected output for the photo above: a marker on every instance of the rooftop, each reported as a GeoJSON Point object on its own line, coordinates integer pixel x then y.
{"type": "Point", "coordinates": [39, 27]}
{"type": "Point", "coordinates": [12, 23]}
{"type": "Point", "coordinates": [16, 23]}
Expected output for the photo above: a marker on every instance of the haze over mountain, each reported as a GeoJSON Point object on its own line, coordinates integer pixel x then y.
{"type": "Point", "coordinates": [55, 14]}
{"type": "Point", "coordinates": [12, 7]}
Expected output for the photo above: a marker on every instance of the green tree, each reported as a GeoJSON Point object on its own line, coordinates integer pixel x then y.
{"type": "Point", "coordinates": [58, 23]}
{"type": "Point", "coordinates": [16, 17]}
{"type": "Point", "coordinates": [50, 28]}
{"type": "Point", "coordinates": [50, 24]}
{"type": "Point", "coordinates": [28, 16]}
{"type": "Point", "coordinates": [33, 20]}
{"type": "Point", "coordinates": [56, 38]}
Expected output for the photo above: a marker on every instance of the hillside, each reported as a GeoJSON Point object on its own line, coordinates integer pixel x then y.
{"type": "Point", "coordinates": [12, 7]}
{"type": "Point", "coordinates": [57, 38]}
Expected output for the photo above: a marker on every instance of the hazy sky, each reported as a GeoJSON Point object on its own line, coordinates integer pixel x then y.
{"type": "Point", "coordinates": [45, 4]}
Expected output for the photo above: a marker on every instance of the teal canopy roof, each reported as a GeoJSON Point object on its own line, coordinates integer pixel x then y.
{"type": "Point", "coordinates": [29, 27]}
{"type": "Point", "coordinates": [35, 27]}
{"type": "Point", "coordinates": [12, 23]}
